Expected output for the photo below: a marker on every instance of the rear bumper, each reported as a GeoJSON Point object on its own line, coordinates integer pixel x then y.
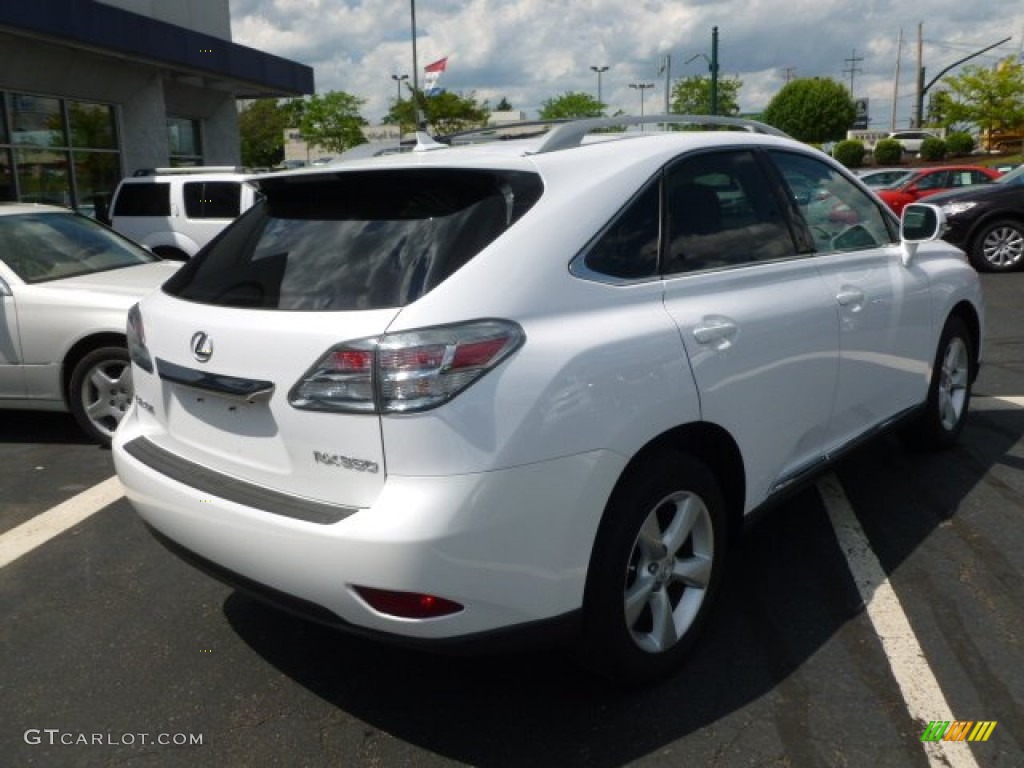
{"type": "Point", "coordinates": [512, 545]}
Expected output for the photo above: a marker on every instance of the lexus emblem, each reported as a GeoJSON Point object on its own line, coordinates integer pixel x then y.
{"type": "Point", "coordinates": [202, 346]}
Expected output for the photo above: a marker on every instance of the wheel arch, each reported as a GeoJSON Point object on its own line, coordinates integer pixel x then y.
{"type": "Point", "coordinates": [712, 445]}
{"type": "Point", "coordinates": [996, 214]}
{"type": "Point", "coordinates": [80, 349]}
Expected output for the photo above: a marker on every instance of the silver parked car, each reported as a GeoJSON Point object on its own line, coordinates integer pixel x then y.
{"type": "Point", "coordinates": [66, 283]}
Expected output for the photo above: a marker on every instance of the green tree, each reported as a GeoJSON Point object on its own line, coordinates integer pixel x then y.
{"type": "Point", "coordinates": [261, 125]}
{"type": "Point", "coordinates": [992, 99]}
{"type": "Point", "coordinates": [294, 109]}
{"type": "Point", "coordinates": [332, 121]}
{"type": "Point", "coordinates": [692, 96]}
{"type": "Point", "coordinates": [814, 110]}
{"type": "Point", "coordinates": [571, 104]}
{"type": "Point", "coordinates": [503, 105]}
{"type": "Point", "coordinates": [444, 113]}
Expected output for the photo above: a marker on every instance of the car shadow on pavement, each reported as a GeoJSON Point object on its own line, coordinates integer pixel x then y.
{"type": "Point", "coordinates": [43, 427]}
{"type": "Point", "coordinates": [787, 594]}
{"type": "Point", "coordinates": [785, 597]}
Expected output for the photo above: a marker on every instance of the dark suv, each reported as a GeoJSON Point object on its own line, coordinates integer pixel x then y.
{"type": "Point", "coordinates": [987, 221]}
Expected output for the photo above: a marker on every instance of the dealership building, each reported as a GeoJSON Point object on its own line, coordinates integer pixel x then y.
{"type": "Point", "coordinates": [93, 90]}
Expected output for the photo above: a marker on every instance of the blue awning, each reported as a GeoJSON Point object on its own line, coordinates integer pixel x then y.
{"type": "Point", "coordinates": [85, 23]}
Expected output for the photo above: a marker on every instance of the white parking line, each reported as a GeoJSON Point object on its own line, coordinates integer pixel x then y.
{"type": "Point", "coordinates": [921, 693]}
{"type": "Point", "coordinates": [43, 527]}
{"type": "Point", "coordinates": [995, 402]}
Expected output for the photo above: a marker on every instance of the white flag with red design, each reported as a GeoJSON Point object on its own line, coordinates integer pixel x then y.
{"type": "Point", "coordinates": [431, 74]}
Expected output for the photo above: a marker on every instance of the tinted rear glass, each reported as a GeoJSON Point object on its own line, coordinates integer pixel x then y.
{"type": "Point", "coordinates": [143, 200]}
{"type": "Point", "coordinates": [358, 240]}
{"type": "Point", "coordinates": [212, 199]}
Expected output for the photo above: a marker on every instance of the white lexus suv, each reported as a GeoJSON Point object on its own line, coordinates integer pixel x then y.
{"type": "Point", "coordinates": [530, 389]}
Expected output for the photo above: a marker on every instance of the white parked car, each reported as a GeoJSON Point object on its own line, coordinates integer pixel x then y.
{"type": "Point", "coordinates": [176, 211]}
{"type": "Point", "coordinates": [532, 388]}
{"type": "Point", "coordinates": [911, 141]}
{"type": "Point", "coordinates": [66, 284]}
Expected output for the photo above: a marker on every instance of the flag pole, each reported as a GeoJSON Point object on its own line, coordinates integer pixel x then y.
{"type": "Point", "coordinates": [417, 114]}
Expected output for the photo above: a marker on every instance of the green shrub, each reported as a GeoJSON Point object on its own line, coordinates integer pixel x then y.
{"type": "Point", "coordinates": [959, 144]}
{"type": "Point", "coordinates": [888, 152]}
{"type": "Point", "coordinates": [850, 153]}
{"type": "Point", "coordinates": [933, 149]}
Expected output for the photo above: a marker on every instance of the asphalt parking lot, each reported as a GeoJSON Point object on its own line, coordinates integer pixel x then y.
{"type": "Point", "coordinates": [825, 649]}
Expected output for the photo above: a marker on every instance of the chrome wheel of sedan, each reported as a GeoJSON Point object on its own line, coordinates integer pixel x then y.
{"type": "Point", "coordinates": [101, 391]}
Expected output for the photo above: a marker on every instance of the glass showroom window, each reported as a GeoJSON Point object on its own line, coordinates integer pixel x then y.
{"type": "Point", "coordinates": [185, 141]}
{"type": "Point", "coordinates": [96, 161]}
{"type": "Point", "coordinates": [7, 191]}
{"type": "Point", "coordinates": [58, 151]}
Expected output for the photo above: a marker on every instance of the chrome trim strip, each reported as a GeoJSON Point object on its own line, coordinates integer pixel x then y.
{"type": "Point", "coordinates": [231, 488]}
{"type": "Point", "coordinates": [833, 454]}
{"type": "Point", "coordinates": [248, 390]}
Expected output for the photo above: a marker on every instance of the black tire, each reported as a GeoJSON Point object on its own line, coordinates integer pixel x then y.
{"type": "Point", "coordinates": [949, 393]}
{"type": "Point", "coordinates": [100, 391]}
{"type": "Point", "coordinates": [998, 247]}
{"type": "Point", "coordinates": [646, 641]}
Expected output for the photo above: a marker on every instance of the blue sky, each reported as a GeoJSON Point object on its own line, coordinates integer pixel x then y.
{"type": "Point", "coordinates": [529, 51]}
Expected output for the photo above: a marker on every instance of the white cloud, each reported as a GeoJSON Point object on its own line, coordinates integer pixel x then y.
{"type": "Point", "coordinates": [532, 50]}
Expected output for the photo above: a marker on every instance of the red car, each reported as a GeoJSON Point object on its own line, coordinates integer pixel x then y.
{"type": "Point", "coordinates": [928, 181]}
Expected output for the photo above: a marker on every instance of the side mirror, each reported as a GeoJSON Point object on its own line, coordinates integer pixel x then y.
{"type": "Point", "coordinates": [920, 223]}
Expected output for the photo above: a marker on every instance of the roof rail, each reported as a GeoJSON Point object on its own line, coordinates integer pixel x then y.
{"type": "Point", "coordinates": [571, 134]}
{"type": "Point", "coordinates": [185, 169]}
{"type": "Point", "coordinates": [521, 129]}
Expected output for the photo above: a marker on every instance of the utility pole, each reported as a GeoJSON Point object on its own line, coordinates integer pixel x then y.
{"type": "Point", "coordinates": [919, 101]}
{"type": "Point", "coordinates": [853, 69]}
{"type": "Point", "coordinates": [896, 81]}
{"type": "Point", "coordinates": [789, 74]}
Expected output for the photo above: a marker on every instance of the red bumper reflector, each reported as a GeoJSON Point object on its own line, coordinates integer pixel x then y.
{"type": "Point", "coordinates": [407, 605]}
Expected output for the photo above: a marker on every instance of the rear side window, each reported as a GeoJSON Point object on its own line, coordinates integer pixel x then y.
{"type": "Point", "coordinates": [212, 199]}
{"type": "Point", "coordinates": [355, 241]}
{"type": "Point", "coordinates": [143, 200]}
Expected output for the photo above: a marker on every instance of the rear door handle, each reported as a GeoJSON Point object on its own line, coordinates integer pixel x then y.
{"type": "Point", "coordinates": [849, 296]}
{"type": "Point", "coordinates": [716, 330]}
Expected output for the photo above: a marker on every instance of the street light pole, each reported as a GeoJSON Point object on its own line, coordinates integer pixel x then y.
{"type": "Point", "coordinates": [641, 87]}
{"type": "Point", "coordinates": [599, 70]}
{"type": "Point", "coordinates": [398, 102]}
{"type": "Point", "coordinates": [398, 81]}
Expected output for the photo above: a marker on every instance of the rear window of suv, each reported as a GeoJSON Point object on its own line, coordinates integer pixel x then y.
{"type": "Point", "coordinates": [144, 199]}
{"type": "Point", "coordinates": [355, 240]}
{"type": "Point", "coordinates": [212, 199]}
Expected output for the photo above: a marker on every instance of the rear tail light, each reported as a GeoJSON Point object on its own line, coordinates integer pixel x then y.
{"type": "Point", "coordinates": [136, 334]}
{"type": "Point", "coordinates": [407, 605]}
{"type": "Point", "coordinates": [408, 371]}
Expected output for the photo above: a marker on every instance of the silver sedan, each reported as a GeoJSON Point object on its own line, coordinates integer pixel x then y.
{"type": "Point", "coordinates": [66, 284]}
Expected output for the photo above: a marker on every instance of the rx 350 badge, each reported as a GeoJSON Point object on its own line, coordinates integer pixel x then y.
{"type": "Point", "coordinates": [345, 462]}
